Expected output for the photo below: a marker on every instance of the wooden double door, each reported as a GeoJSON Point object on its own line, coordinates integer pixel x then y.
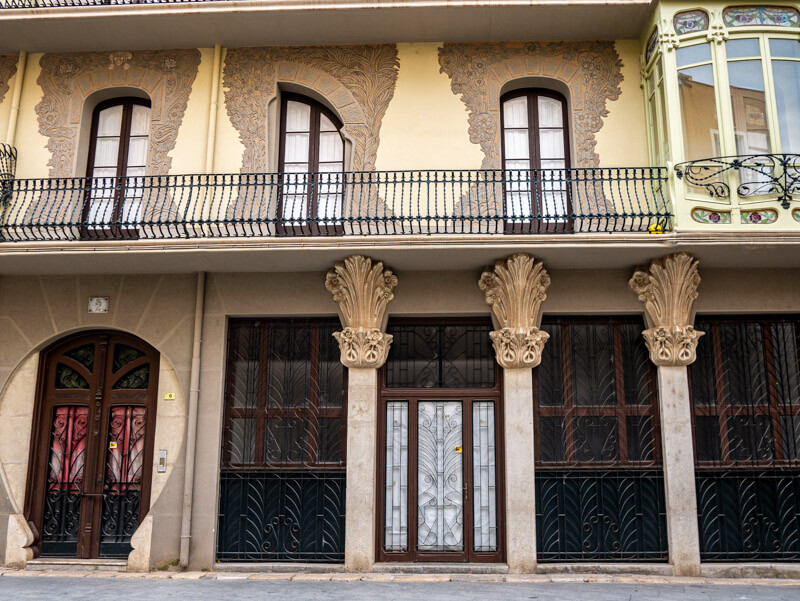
{"type": "Point", "coordinates": [89, 482]}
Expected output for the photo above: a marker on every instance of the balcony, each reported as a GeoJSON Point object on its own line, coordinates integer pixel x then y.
{"type": "Point", "coordinates": [352, 204]}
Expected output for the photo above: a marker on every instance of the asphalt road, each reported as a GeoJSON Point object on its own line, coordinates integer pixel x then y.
{"type": "Point", "coordinates": [108, 589]}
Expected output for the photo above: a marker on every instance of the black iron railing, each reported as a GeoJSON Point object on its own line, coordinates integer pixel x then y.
{"type": "Point", "coordinates": [775, 175]}
{"type": "Point", "coordinates": [8, 166]}
{"type": "Point", "coordinates": [325, 204]}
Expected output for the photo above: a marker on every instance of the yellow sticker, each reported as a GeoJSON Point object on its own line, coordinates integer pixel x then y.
{"type": "Point", "coordinates": [169, 396]}
{"type": "Point", "coordinates": [112, 445]}
{"type": "Point", "coordinates": [457, 449]}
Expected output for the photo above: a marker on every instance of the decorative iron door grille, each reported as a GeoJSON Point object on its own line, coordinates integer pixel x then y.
{"type": "Point", "coordinates": [282, 482]}
{"type": "Point", "coordinates": [440, 412]}
{"type": "Point", "coordinates": [599, 482]}
{"type": "Point", "coordinates": [745, 388]}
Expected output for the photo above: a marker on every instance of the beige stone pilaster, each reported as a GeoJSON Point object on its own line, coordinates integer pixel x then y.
{"type": "Point", "coordinates": [515, 289]}
{"type": "Point", "coordinates": [668, 289]}
{"type": "Point", "coordinates": [19, 538]}
{"type": "Point", "coordinates": [363, 289]}
{"type": "Point", "coordinates": [142, 542]}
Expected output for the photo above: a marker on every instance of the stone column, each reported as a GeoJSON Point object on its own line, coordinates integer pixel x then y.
{"type": "Point", "coordinates": [668, 290]}
{"type": "Point", "coordinates": [363, 289]}
{"type": "Point", "coordinates": [515, 289]}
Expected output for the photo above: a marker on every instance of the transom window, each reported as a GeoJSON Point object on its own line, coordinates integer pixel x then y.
{"type": "Point", "coordinates": [312, 159]}
{"type": "Point", "coordinates": [119, 145]}
{"type": "Point", "coordinates": [535, 157]}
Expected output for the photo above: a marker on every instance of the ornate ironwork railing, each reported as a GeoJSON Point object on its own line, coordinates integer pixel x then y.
{"type": "Point", "coordinates": [8, 168]}
{"type": "Point", "coordinates": [754, 175]}
{"type": "Point", "coordinates": [326, 204]}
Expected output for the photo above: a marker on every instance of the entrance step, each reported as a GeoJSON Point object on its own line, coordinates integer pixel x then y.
{"type": "Point", "coordinates": [77, 565]}
{"type": "Point", "coordinates": [284, 567]}
{"type": "Point", "coordinates": [439, 568]}
{"type": "Point", "coordinates": [641, 569]}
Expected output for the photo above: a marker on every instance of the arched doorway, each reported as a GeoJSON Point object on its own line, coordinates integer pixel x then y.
{"type": "Point", "coordinates": [89, 477]}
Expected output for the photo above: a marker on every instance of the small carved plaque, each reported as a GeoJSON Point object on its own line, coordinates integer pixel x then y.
{"type": "Point", "coordinates": [98, 304]}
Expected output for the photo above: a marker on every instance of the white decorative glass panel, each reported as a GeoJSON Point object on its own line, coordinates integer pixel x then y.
{"type": "Point", "coordinates": [298, 116]}
{"type": "Point", "coordinates": [106, 153]}
{"type": "Point", "coordinates": [554, 205]}
{"type": "Point", "coordinates": [484, 477]}
{"type": "Point", "coordinates": [295, 191]}
{"type": "Point", "coordinates": [137, 151]}
{"type": "Point", "coordinates": [551, 112]}
{"type": "Point", "coordinates": [551, 143]}
{"type": "Point", "coordinates": [109, 121]}
{"type": "Point", "coordinates": [326, 124]}
{"type": "Point", "coordinates": [396, 510]}
{"type": "Point", "coordinates": [515, 112]}
{"type": "Point", "coordinates": [140, 120]}
{"type": "Point", "coordinates": [331, 147]}
{"type": "Point", "coordinates": [296, 150]}
{"type": "Point", "coordinates": [440, 477]}
{"type": "Point", "coordinates": [516, 144]}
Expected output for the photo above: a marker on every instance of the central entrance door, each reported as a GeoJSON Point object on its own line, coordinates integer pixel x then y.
{"type": "Point", "coordinates": [440, 407]}
{"type": "Point", "coordinates": [91, 467]}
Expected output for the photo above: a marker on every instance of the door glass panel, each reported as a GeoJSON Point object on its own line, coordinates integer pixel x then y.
{"type": "Point", "coordinates": [83, 355]}
{"type": "Point", "coordinates": [484, 477]}
{"type": "Point", "coordinates": [396, 511]}
{"type": "Point", "coordinates": [137, 379]}
{"type": "Point", "coordinates": [62, 505]}
{"type": "Point", "coordinates": [67, 378]}
{"type": "Point", "coordinates": [551, 112]}
{"type": "Point", "coordinates": [123, 479]}
{"type": "Point", "coordinates": [124, 354]}
{"type": "Point", "coordinates": [440, 477]}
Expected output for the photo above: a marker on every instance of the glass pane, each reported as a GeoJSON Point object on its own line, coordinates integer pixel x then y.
{"type": "Point", "coordinates": [515, 112]}
{"type": "Point", "coordinates": [326, 124]}
{"type": "Point", "coordinates": [593, 375]}
{"type": "Point", "coordinates": [137, 151]}
{"type": "Point", "coordinates": [790, 426]}
{"type": "Point", "coordinates": [750, 438]}
{"type": "Point", "coordinates": [689, 55]}
{"type": "Point", "coordinates": [706, 438]}
{"type": "Point", "coordinates": [551, 439]}
{"type": "Point", "coordinates": [742, 48]}
{"type": "Point", "coordinates": [100, 211]}
{"type": "Point", "coordinates": [596, 439]}
{"type": "Point", "coordinates": [699, 112]}
{"type": "Point", "coordinates": [287, 440]}
{"type": "Point", "coordinates": [138, 379]}
{"type": "Point", "coordinates": [109, 121]}
{"type": "Point", "coordinates": [298, 116]}
{"type": "Point", "coordinates": [67, 378]}
{"type": "Point", "coordinates": [551, 112]}
{"type": "Point", "coordinates": [516, 141]}
{"type": "Point", "coordinates": [289, 367]}
{"type": "Point", "coordinates": [331, 147]}
{"type": "Point", "coordinates": [106, 154]}
{"type": "Point", "coordinates": [296, 150]}
{"type": "Point", "coordinates": [331, 370]}
{"type": "Point", "coordinates": [784, 48]}
{"type": "Point", "coordinates": [329, 445]}
{"type": "Point", "coordinates": [484, 477]}
{"type": "Point", "coordinates": [124, 354]}
{"type": "Point", "coordinates": [440, 477]}
{"type": "Point", "coordinates": [242, 440]}
{"type": "Point", "coordinates": [551, 143]}
{"type": "Point", "coordinates": [243, 367]}
{"type": "Point", "coordinates": [140, 120]}
{"type": "Point", "coordinates": [396, 509]}
{"type": "Point", "coordinates": [641, 442]}
{"type": "Point", "coordinates": [787, 91]}
{"type": "Point", "coordinates": [83, 355]}
{"type": "Point", "coordinates": [749, 109]}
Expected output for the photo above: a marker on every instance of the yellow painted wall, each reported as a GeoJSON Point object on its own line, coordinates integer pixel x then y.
{"type": "Point", "coordinates": [189, 153]}
{"type": "Point", "coordinates": [622, 141]}
{"type": "Point", "coordinates": [228, 147]}
{"type": "Point", "coordinates": [32, 153]}
{"type": "Point", "coordinates": [425, 126]}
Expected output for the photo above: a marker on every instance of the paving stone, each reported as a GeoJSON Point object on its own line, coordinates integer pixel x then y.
{"type": "Point", "coordinates": [189, 575]}
{"type": "Point", "coordinates": [311, 578]}
{"type": "Point", "coordinates": [272, 576]}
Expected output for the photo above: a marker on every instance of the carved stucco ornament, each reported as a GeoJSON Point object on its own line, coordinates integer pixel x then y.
{"type": "Point", "coordinates": [8, 66]}
{"type": "Point", "coordinates": [668, 290]}
{"type": "Point", "coordinates": [515, 288]}
{"type": "Point", "coordinates": [363, 289]}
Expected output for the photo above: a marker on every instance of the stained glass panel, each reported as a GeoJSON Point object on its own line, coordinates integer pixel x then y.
{"type": "Point", "coordinates": [690, 21]}
{"type": "Point", "coordinates": [776, 16]}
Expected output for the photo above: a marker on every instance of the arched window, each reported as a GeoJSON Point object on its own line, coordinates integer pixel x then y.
{"type": "Point", "coordinates": [118, 150]}
{"type": "Point", "coordinates": [312, 159]}
{"type": "Point", "coordinates": [535, 160]}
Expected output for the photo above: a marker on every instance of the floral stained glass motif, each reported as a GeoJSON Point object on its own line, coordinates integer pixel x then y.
{"type": "Point", "coordinates": [775, 16]}
{"type": "Point", "coordinates": [690, 21]}
{"type": "Point", "coordinates": [651, 46]}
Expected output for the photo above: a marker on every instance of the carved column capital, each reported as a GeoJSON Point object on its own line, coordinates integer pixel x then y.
{"type": "Point", "coordinates": [363, 289]}
{"type": "Point", "coordinates": [668, 290]}
{"type": "Point", "coordinates": [515, 288]}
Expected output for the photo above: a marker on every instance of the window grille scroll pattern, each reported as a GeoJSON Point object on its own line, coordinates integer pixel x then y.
{"type": "Point", "coordinates": [745, 388]}
{"type": "Point", "coordinates": [283, 475]}
{"type": "Point", "coordinates": [599, 484]}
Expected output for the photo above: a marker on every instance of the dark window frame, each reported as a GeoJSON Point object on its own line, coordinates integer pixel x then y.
{"type": "Point", "coordinates": [127, 103]}
{"type": "Point", "coordinates": [537, 192]}
{"type": "Point", "coordinates": [312, 226]}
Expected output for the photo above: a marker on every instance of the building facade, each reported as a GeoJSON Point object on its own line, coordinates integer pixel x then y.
{"type": "Point", "coordinates": [378, 284]}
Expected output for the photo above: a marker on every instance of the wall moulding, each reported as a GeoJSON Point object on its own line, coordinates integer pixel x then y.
{"type": "Point", "coordinates": [8, 66]}
{"type": "Point", "coordinates": [68, 79]}
{"type": "Point", "coordinates": [478, 71]}
{"type": "Point", "coordinates": [359, 81]}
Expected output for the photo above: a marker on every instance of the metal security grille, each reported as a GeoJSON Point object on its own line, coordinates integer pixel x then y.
{"type": "Point", "coordinates": [282, 481]}
{"type": "Point", "coordinates": [599, 484]}
{"type": "Point", "coordinates": [745, 388]}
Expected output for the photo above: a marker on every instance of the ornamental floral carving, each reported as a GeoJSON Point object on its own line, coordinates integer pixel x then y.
{"type": "Point", "coordinates": [478, 72]}
{"type": "Point", "coordinates": [68, 79]}
{"type": "Point", "coordinates": [515, 288]}
{"type": "Point", "coordinates": [8, 66]}
{"type": "Point", "coordinates": [359, 82]}
{"type": "Point", "coordinates": [668, 290]}
{"type": "Point", "coordinates": [363, 289]}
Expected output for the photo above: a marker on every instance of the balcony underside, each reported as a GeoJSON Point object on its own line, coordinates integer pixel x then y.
{"type": "Point", "coordinates": [410, 253]}
{"type": "Point", "coordinates": [239, 23]}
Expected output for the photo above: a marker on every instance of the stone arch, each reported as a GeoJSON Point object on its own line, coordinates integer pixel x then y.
{"type": "Point", "coordinates": [479, 72]}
